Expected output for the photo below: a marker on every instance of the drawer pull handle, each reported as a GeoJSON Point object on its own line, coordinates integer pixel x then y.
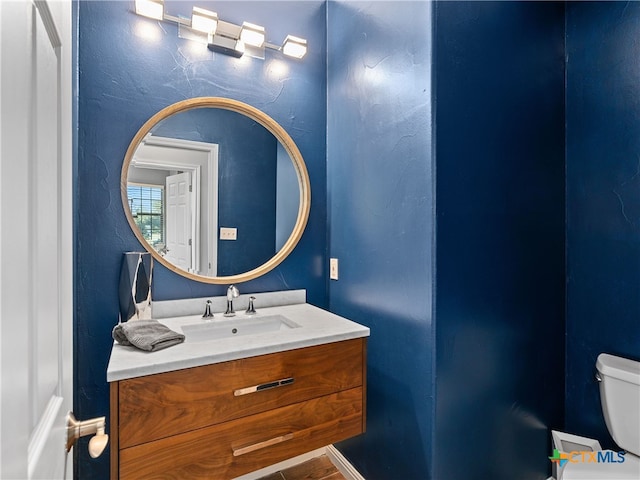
{"type": "Point", "coordinates": [263, 386]}
{"type": "Point", "coordinates": [259, 445]}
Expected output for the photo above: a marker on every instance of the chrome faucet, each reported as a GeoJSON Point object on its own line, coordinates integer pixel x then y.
{"type": "Point", "coordinates": [232, 292]}
{"type": "Point", "coordinates": [250, 309]}
{"type": "Point", "coordinates": [207, 310]}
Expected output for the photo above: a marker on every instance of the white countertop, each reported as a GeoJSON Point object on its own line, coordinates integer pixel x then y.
{"type": "Point", "coordinates": [317, 326]}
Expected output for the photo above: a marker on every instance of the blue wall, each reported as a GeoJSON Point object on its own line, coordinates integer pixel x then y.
{"type": "Point", "coordinates": [603, 200]}
{"type": "Point", "coordinates": [500, 238]}
{"type": "Point", "coordinates": [129, 68]}
{"type": "Point", "coordinates": [497, 204]}
{"type": "Point", "coordinates": [499, 165]}
{"type": "Point", "coordinates": [380, 177]}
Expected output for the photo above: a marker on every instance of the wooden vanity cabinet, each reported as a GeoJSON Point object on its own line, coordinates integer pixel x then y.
{"type": "Point", "coordinates": [223, 420]}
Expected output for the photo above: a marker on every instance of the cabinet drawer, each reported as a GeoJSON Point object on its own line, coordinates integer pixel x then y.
{"type": "Point", "coordinates": [240, 446]}
{"type": "Point", "coordinates": [158, 406]}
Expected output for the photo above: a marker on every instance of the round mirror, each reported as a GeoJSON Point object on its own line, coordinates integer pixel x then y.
{"type": "Point", "coordinates": [216, 190]}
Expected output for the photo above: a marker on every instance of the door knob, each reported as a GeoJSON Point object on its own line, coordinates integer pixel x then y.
{"type": "Point", "coordinates": [95, 426]}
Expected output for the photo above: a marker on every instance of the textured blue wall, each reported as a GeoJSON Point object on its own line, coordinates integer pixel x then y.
{"type": "Point", "coordinates": [500, 218]}
{"type": "Point", "coordinates": [380, 177]}
{"type": "Point", "coordinates": [603, 200]}
{"type": "Point", "coordinates": [500, 238]}
{"type": "Point", "coordinates": [129, 68]}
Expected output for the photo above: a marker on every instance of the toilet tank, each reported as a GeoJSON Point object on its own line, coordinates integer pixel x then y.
{"type": "Point", "coordinates": [620, 398]}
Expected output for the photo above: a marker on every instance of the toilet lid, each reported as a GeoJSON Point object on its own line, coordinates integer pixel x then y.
{"type": "Point", "coordinates": [589, 470]}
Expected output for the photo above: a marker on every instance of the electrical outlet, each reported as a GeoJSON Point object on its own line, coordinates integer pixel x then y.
{"type": "Point", "coordinates": [227, 233]}
{"type": "Point", "coordinates": [333, 269]}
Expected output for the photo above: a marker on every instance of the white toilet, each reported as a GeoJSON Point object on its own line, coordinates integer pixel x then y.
{"type": "Point", "coordinates": [620, 398]}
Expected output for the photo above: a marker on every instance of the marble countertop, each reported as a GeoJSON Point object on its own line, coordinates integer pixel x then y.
{"type": "Point", "coordinates": [317, 326]}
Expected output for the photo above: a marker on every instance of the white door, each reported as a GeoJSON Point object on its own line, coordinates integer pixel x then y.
{"type": "Point", "coordinates": [178, 220]}
{"type": "Point", "coordinates": [201, 159]}
{"type": "Point", "coordinates": [36, 299]}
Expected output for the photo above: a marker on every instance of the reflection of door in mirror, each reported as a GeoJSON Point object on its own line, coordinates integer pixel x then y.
{"type": "Point", "coordinates": [179, 225]}
{"type": "Point", "coordinates": [193, 249]}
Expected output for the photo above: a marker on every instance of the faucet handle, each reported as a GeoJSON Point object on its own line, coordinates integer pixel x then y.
{"type": "Point", "coordinates": [232, 292]}
{"type": "Point", "coordinates": [207, 310]}
{"type": "Point", "coordinates": [250, 310]}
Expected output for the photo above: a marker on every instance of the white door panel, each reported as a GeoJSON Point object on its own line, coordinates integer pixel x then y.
{"type": "Point", "coordinates": [36, 294]}
{"type": "Point", "coordinates": [178, 220]}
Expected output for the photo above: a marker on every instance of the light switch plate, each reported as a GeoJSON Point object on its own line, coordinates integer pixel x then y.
{"type": "Point", "coordinates": [333, 269]}
{"type": "Point", "coordinates": [227, 233]}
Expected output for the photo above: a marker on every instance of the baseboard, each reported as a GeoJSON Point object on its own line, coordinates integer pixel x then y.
{"type": "Point", "coordinates": [342, 464]}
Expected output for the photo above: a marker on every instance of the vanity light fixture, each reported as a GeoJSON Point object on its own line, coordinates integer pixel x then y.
{"type": "Point", "coordinates": [252, 34]}
{"type": "Point", "coordinates": [294, 46]}
{"type": "Point", "coordinates": [204, 21]}
{"type": "Point", "coordinates": [150, 8]}
{"type": "Point", "coordinates": [222, 37]}
{"type": "Point", "coordinates": [226, 39]}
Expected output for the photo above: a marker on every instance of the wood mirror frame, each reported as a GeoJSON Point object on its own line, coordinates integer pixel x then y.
{"type": "Point", "coordinates": [278, 132]}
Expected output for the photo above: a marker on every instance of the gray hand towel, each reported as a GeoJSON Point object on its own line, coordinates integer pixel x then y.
{"type": "Point", "coordinates": [149, 335]}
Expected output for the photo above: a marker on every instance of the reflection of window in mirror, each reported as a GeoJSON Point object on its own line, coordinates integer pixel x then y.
{"type": "Point", "coordinates": [147, 207]}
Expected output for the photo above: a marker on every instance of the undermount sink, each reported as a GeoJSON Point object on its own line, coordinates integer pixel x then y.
{"type": "Point", "coordinates": [217, 329]}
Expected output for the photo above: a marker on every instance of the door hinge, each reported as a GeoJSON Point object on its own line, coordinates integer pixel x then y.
{"type": "Point", "coordinates": [189, 242]}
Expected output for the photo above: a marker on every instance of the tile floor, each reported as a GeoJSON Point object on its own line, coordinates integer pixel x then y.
{"type": "Point", "coordinates": [319, 468]}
